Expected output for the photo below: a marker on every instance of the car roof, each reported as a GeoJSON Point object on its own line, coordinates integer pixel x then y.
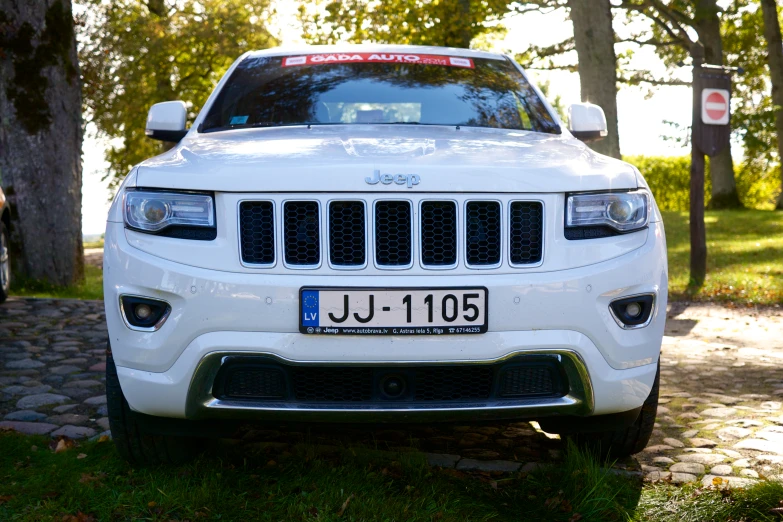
{"type": "Point", "coordinates": [373, 48]}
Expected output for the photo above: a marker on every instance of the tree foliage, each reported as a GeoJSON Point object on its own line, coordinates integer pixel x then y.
{"type": "Point", "coordinates": [136, 53]}
{"type": "Point", "coordinates": [753, 119]}
{"type": "Point", "coordinates": [450, 23]}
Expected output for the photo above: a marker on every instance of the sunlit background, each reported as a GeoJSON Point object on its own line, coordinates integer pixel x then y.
{"type": "Point", "coordinates": [643, 112]}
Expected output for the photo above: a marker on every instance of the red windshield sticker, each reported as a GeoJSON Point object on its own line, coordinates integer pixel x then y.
{"type": "Point", "coordinates": [426, 59]}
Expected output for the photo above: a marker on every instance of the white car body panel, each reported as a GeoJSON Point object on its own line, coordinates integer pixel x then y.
{"type": "Point", "coordinates": [220, 305]}
{"type": "Point", "coordinates": [446, 159]}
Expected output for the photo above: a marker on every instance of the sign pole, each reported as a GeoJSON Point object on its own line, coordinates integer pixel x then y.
{"type": "Point", "coordinates": [698, 231]}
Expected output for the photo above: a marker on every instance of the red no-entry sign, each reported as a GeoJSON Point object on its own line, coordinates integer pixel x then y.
{"type": "Point", "coordinates": [715, 106]}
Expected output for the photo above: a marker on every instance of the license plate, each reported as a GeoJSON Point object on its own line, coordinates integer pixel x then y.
{"type": "Point", "coordinates": [398, 311]}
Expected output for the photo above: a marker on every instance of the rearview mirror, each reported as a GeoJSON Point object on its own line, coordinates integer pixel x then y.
{"type": "Point", "coordinates": [587, 122]}
{"type": "Point", "coordinates": [166, 121]}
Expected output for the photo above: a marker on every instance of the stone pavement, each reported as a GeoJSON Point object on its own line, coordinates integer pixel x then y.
{"type": "Point", "coordinates": [721, 412]}
{"type": "Point", "coordinates": [53, 354]}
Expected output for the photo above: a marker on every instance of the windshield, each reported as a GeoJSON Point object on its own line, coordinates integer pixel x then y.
{"type": "Point", "coordinates": [377, 88]}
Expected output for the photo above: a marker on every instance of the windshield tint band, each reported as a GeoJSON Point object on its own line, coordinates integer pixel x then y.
{"type": "Point", "coordinates": [270, 92]}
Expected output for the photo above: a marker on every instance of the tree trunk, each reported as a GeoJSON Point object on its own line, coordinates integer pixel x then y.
{"type": "Point", "coordinates": [41, 139]}
{"type": "Point", "coordinates": [707, 24]}
{"type": "Point", "coordinates": [775, 60]}
{"type": "Point", "coordinates": [594, 40]}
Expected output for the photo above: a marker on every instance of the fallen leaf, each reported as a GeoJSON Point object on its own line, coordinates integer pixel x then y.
{"type": "Point", "coordinates": [33, 448]}
{"type": "Point", "coordinates": [5, 498]}
{"type": "Point", "coordinates": [63, 444]}
{"type": "Point", "coordinates": [152, 504]}
{"type": "Point", "coordinates": [345, 505]}
{"type": "Point", "coordinates": [575, 518]}
{"type": "Point", "coordinates": [81, 456]}
{"type": "Point", "coordinates": [104, 438]}
{"type": "Point", "coordinates": [717, 481]}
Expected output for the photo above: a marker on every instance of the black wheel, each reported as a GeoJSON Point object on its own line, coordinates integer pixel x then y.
{"type": "Point", "coordinates": [5, 263]}
{"type": "Point", "coordinates": [618, 444]}
{"type": "Point", "coordinates": [135, 444]}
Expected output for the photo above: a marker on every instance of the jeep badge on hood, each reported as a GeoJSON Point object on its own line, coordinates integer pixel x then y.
{"type": "Point", "coordinates": [387, 179]}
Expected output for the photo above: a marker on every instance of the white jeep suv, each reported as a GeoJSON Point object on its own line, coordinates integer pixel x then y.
{"type": "Point", "coordinates": [381, 234]}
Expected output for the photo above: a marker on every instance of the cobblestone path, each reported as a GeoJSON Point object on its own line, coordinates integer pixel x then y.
{"type": "Point", "coordinates": [721, 411]}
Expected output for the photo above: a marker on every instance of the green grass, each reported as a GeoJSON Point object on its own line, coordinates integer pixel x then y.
{"type": "Point", "coordinates": [238, 484]}
{"type": "Point", "coordinates": [91, 288]}
{"type": "Point", "coordinates": [94, 244]}
{"type": "Point", "coordinates": [744, 261]}
{"type": "Point", "coordinates": [744, 256]}
{"type": "Point", "coordinates": [307, 482]}
{"type": "Point", "coordinates": [696, 504]}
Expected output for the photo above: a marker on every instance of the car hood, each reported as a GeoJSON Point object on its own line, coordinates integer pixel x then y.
{"type": "Point", "coordinates": [338, 159]}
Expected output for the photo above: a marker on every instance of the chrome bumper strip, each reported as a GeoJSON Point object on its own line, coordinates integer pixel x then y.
{"type": "Point", "coordinates": [202, 404]}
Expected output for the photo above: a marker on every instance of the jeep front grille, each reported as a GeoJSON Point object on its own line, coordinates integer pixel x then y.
{"type": "Point", "coordinates": [391, 234]}
{"type": "Point", "coordinates": [526, 232]}
{"type": "Point", "coordinates": [438, 233]}
{"type": "Point", "coordinates": [301, 233]}
{"type": "Point", "coordinates": [347, 233]}
{"type": "Point", "coordinates": [483, 238]}
{"type": "Point", "coordinates": [257, 232]}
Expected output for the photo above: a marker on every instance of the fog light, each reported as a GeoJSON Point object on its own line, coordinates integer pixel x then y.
{"type": "Point", "coordinates": [143, 313]}
{"type": "Point", "coordinates": [634, 311]}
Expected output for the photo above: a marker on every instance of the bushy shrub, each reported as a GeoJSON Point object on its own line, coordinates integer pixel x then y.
{"type": "Point", "coordinates": [669, 178]}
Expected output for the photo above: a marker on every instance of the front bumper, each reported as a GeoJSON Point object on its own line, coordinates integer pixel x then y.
{"type": "Point", "coordinates": [561, 313]}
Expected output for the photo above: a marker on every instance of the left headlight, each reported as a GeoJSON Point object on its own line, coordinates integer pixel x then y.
{"type": "Point", "coordinates": [621, 211]}
{"type": "Point", "coordinates": [152, 211]}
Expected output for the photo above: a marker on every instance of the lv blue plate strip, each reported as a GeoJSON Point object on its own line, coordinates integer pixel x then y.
{"type": "Point", "coordinates": [310, 308]}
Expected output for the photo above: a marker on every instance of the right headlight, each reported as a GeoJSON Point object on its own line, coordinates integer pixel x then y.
{"type": "Point", "coordinates": [153, 211]}
{"type": "Point", "coordinates": [621, 211]}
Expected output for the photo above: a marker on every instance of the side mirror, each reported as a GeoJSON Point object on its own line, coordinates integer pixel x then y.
{"type": "Point", "coordinates": [166, 121]}
{"type": "Point", "coordinates": [587, 122]}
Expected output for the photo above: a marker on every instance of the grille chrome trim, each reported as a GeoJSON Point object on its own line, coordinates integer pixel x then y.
{"type": "Point", "coordinates": [367, 223]}
{"type": "Point", "coordinates": [464, 235]}
{"type": "Point", "coordinates": [579, 399]}
{"type": "Point", "coordinates": [275, 240]}
{"type": "Point", "coordinates": [457, 243]}
{"type": "Point", "coordinates": [416, 202]}
{"type": "Point", "coordinates": [413, 236]}
{"type": "Point", "coordinates": [283, 235]}
{"type": "Point", "coordinates": [543, 233]}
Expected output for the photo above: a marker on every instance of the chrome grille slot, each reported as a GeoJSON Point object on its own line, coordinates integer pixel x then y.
{"type": "Point", "coordinates": [438, 233]}
{"type": "Point", "coordinates": [420, 233]}
{"type": "Point", "coordinates": [301, 233]}
{"type": "Point", "coordinates": [527, 232]}
{"type": "Point", "coordinates": [347, 234]}
{"type": "Point", "coordinates": [257, 232]}
{"type": "Point", "coordinates": [482, 233]}
{"type": "Point", "coordinates": [393, 231]}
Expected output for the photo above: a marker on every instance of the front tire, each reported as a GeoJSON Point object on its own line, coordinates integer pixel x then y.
{"type": "Point", "coordinates": [133, 441]}
{"type": "Point", "coordinates": [621, 443]}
